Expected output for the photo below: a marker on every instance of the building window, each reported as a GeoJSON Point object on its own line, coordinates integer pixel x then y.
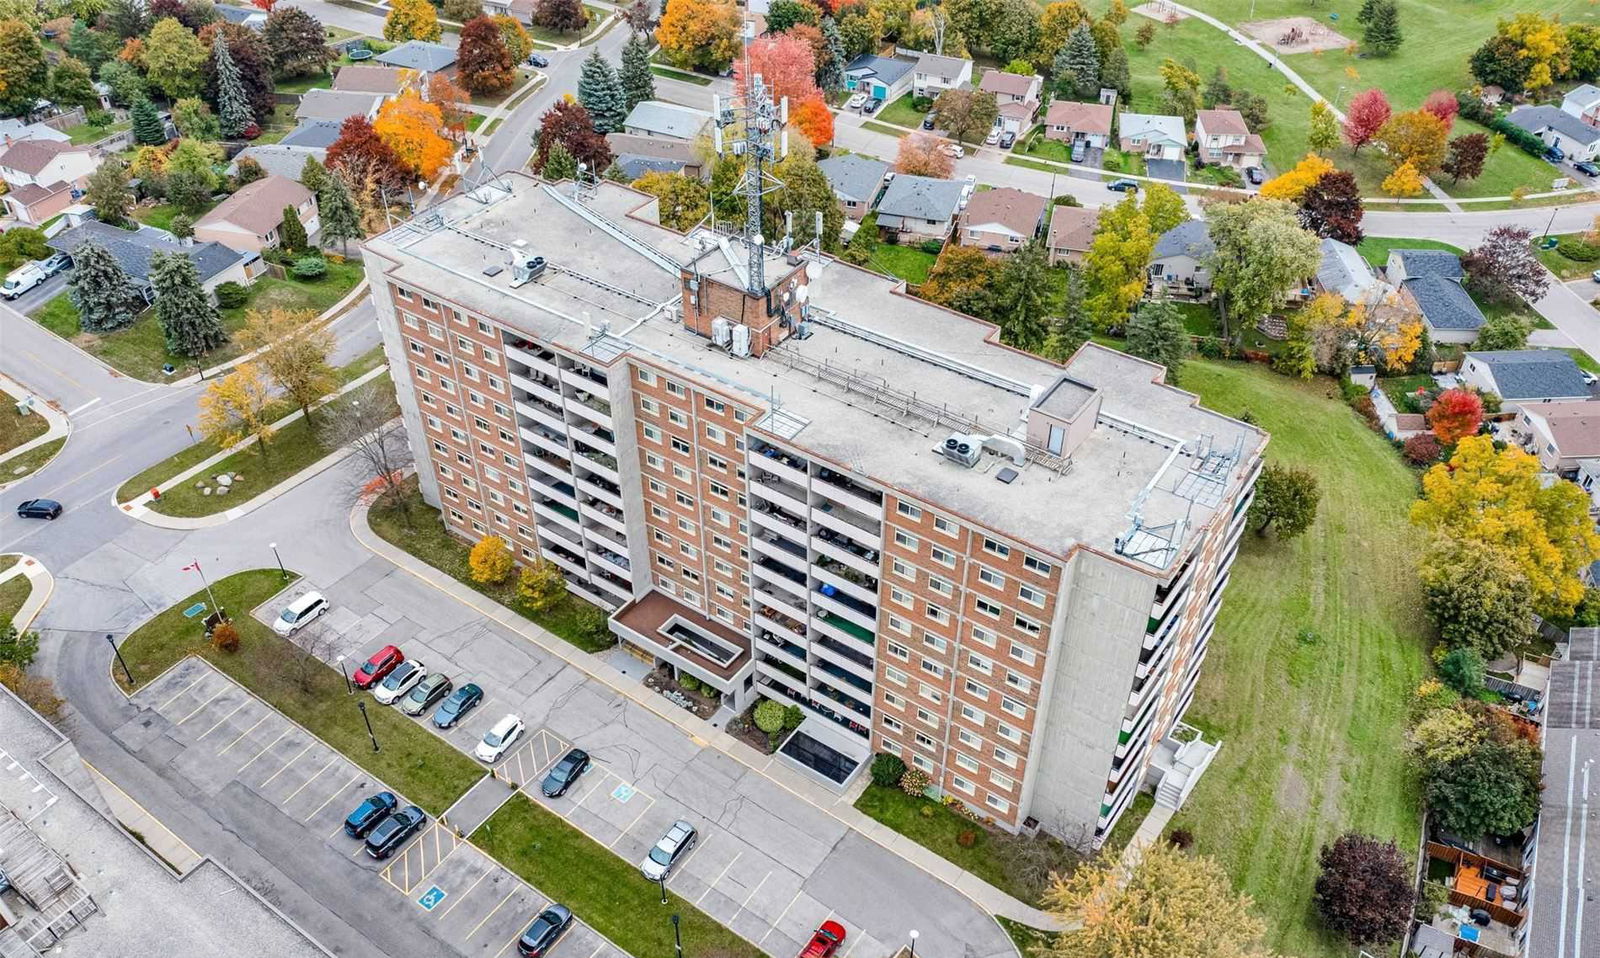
{"type": "Point", "coordinates": [980, 663]}
{"type": "Point", "coordinates": [1023, 654]}
{"type": "Point", "coordinates": [894, 675]}
{"type": "Point", "coordinates": [990, 577]}
{"type": "Point", "coordinates": [676, 388]}
{"type": "Point", "coordinates": [1036, 565]}
{"type": "Point", "coordinates": [922, 763]}
{"type": "Point", "coordinates": [997, 548]}
{"type": "Point", "coordinates": [907, 509]}
{"type": "Point", "coordinates": [1013, 707]}
{"type": "Point", "coordinates": [960, 784]}
{"type": "Point", "coordinates": [944, 557]}
{"type": "Point", "coordinates": [945, 525]}
{"type": "Point", "coordinates": [997, 803]}
{"type": "Point", "coordinates": [900, 652]}
{"type": "Point", "coordinates": [976, 690]}
{"type": "Point", "coordinates": [1031, 595]}
{"type": "Point", "coordinates": [906, 541]}
{"type": "Point", "coordinates": [902, 570]}
{"type": "Point", "coordinates": [987, 607]}
{"type": "Point", "coordinates": [1027, 625]}
{"type": "Point", "coordinates": [646, 375]}
{"type": "Point", "coordinates": [679, 446]}
{"type": "Point", "coordinates": [677, 418]}
{"type": "Point", "coordinates": [716, 405]}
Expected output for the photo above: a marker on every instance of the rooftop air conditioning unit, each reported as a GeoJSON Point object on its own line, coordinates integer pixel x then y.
{"type": "Point", "coordinates": [526, 269]}
{"type": "Point", "coordinates": [962, 448]}
{"type": "Point", "coordinates": [722, 331]}
{"type": "Point", "coordinates": [740, 344]}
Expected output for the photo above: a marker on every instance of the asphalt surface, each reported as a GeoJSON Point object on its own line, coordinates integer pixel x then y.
{"type": "Point", "coordinates": [1566, 920]}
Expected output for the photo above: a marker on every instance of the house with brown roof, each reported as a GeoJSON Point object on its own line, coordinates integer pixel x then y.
{"type": "Point", "coordinates": [1001, 220]}
{"type": "Point", "coordinates": [1017, 97]}
{"type": "Point", "coordinates": [1559, 433]}
{"type": "Point", "coordinates": [42, 175]}
{"type": "Point", "coordinates": [1072, 122]}
{"type": "Point", "coordinates": [365, 78]}
{"type": "Point", "coordinates": [520, 10]}
{"type": "Point", "coordinates": [1071, 231]}
{"type": "Point", "coordinates": [1224, 139]}
{"type": "Point", "coordinates": [249, 219]}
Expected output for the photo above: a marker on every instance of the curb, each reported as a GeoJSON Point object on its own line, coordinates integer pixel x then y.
{"type": "Point", "coordinates": [33, 570]}
{"type": "Point", "coordinates": [60, 423]}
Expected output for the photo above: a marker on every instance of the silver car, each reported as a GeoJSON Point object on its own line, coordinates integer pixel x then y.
{"type": "Point", "coordinates": [674, 845]}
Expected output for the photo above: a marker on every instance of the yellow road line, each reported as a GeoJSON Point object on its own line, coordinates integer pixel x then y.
{"type": "Point", "coordinates": [479, 925]}
{"type": "Point", "coordinates": [289, 763]}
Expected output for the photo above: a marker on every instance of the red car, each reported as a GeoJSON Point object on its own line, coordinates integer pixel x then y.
{"type": "Point", "coordinates": [374, 669]}
{"type": "Point", "coordinates": [824, 941]}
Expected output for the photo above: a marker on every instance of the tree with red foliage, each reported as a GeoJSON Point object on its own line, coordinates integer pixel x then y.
{"type": "Point", "coordinates": [1456, 414]}
{"type": "Point", "coordinates": [1465, 157]}
{"type": "Point", "coordinates": [561, 16]}
{"type": "Point", "coordinates": [364, 157]}
{"type": "Point", "coordinates": [1421, 449]}
{"type": "Point", "coordinates": [482, 60]}
{"type": "Point", "coordinates": [1369, 111]}
{"type": "Point", "coordinates": [253, 58]}
{"type": "Point", "coordinates": [569, 124]}
{"type": "Point", "coordinates": [1503, 267]}
{"type": "Point", "coordinates": [786, 64]}
{"type": "Point", "coordinates": [923, 155]}
{"type": "Point", "coordinates": [1331, 207]}
{"type": "Point", "coordinates": [813, 118]}
{"type": "Point", "coordinates": [1365, 893]}
{"type": "Point", "coordinates": [1442, 104]}
{"type": "Point", "coordinates": [266, 5]}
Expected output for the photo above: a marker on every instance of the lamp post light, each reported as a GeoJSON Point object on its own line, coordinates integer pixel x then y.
{"type": "Point", "coordinates": [362, 705]}
{"type": "Point", "coordinates": [677, 936]}
{"type": "Point", "coordinates": [663, 882]}
{"type": "Point", "coordinates": [281, 570]}
{"type": "Point", "coordinates": [120, 661]}
{"type": "Point", "coordinates": [348, 688]}
{"type": "Point", "coordinates": [913, 936]}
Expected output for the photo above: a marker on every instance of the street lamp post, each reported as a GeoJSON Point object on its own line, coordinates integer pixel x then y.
{"type": "Point", "coordinates": [677, 936]}
{"type": "Point", "coordinates": [913, 936]}
{"type": "Point", "coordinates": [348, 688]}
{"type": "Point", "coordinates": [120, 661]}
{"type": "Point", "coordinates": [362, 705]}
{"type": "Point", "coordinates": [663, 881]}
{"type": "Point", "coordinates": [281, 570]}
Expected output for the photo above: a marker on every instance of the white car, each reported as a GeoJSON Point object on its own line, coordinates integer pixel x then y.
{"type": "Point", "coordinates": [953, 150]}
{"type": "Point", "coordinates": [992, 138]}
{"type": "Point", "coordinates": [299, 613]}
{"type": "Point", "coordinates": [499, 739]}
{"type": "Point", "coordinates": [402, 680]}
{"type": "Point", "coordinates": [856, 102]}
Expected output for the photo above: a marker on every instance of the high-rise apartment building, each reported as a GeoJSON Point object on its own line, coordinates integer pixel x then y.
{"type": "Point", "coordinates": [823, 491]}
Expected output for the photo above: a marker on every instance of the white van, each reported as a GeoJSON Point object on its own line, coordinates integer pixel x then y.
{"type": "Point", "coordinates": [22, 279]}
{"type": "Point", "coordinates": [299, 612]}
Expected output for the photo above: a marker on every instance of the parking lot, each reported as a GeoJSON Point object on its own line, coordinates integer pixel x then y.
{"type": "Point", "coordinates": [228, 739]}
{"type": "Point", "coordinates": [768, 864]}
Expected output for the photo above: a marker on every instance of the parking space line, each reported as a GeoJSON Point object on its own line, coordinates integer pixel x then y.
{"type": "Point", "coordinates": [247, 731]}
{"type": "Point", "coordinates": [281, 736]}
{"type": "Point", "coordinates": [163, 706]}
{"type": "Point", "coordinates": [624, 833]}
{"type": "Point", "coordinates": [509, 944]}
{"type": "Point", "coordinates": [604, 775]}
{"type": "Point", "coordinates": [737, 855]}
{"type": "Point", "coordinates": [219, 721]}
{"type": "Point", "coordinates": [202, 705]}
{"type": "Point", "coordinates": [330, 798]}
{"type": "Point", "coordinates": [289, 763]}
{"type": "Point", "coordinates": [781, 916]}
{"type": "Point", "coordinates": [747, 898]}
{"type": "Point", "coordinates": [464, 894]}
{"type": "Point", "coordinates": [290, 797]}
{"type": "Point", "coordinates": [479, 925]}
{"type": "Point", "coordinates": [683, 866]}
{"type": "Point", "coordinates": [860, 935]}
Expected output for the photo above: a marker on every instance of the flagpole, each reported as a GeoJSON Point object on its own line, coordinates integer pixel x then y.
{"type": "Point", "coordinates": [214, 606]}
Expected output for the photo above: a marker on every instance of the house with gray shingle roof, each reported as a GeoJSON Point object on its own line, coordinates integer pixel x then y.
{"type": "Point", "coordinates": [134, 250]}
{"type": "Point", "coordinates": [1178, 262]}
{"type": "Point", "coordinates": [638, 155]}
{"type": "Point", "coordinates": [1447, 310]}
{"type": "Point", "coordinates": [886, 78]}
{"type": "Point", "coordinates": [1559, 129]}
{"type": "Point", "coordinates": [252, 17]}
{"type": "Point", "coordinates": [420, 55]}
{"type": "Point", "coordinates": [659, 118]}
{"type": "Point", "coordinates": [275, 159]}
{"type": "Point", "coordinates": [1344, 272]}
{"type": "Point", "coordinates": [313, 134]}
{"type": "Point", "coordinates": [856, 180]}
{"type": "Point", "coordinates": [1404, 264]}
{"type": "Point", "coordinates": [337, 105]}
{"type": "Point", "coordinates": [935, 74]}
{"type": "Point", "coordinates": [1522, 377]}
{"type": "Point", "coordinates": [921, 205]}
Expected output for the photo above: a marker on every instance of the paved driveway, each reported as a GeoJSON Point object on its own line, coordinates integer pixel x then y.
{"type": "Point", "coordinates": [769, 864]}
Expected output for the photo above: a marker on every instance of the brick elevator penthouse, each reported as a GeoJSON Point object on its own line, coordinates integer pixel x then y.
{"type": "Point", "coordinates": [831, 494]}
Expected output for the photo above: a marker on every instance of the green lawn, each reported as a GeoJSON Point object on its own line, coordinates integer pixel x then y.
{"type": "Point", "coordinates": [419, 764]}
{"type": "Point", "coordinates": [902, 112]}
{"type": "Point", "coordinates": [1122, 833]}
{"type": "Point", "coordinates": [994, 856]}
{"type": "Point", "coordinates": [87, 133]}
{"type": "Point", "coordinates": [426, 537]}
{"type": "Point", "coordinates": [13, 592]}
{"type": "Point", "coordinates": [15, 428]}
{"type": "Point", "coordinates": [1312, 732]}
{"type": "Point", "coordinates": [672, 73]}
{"type": "Point", "coordinates": [278, 126]}
{"type": "Point", "coordinates": [605, 891]}
{"type": "Point", "coordinates": [161, 214]}
{"type": "Point", "coordinates": [1560, 265]}
{"type": "Point", "coordinates": [1057, 150]}
{"type": "Point", "coordinates": [31, 461]}
{"type": "Point", "coordinates": [1375, 249]}
{"type": "Point", "coordinates": [1585, 361]}
{"type": "Point", "coordinates": [315, 81]}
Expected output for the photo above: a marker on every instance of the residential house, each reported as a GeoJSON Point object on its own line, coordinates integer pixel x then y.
{"type": "Point", "coordinates": [1395, 424]}
{"type": "Point", "coordinates": [1224, 139]}
{"type": "Point", "coordinates": [1001, 220]}
{"type": "Point", "coordinates": [638, 155]}
{"type": "Point", "coordinates": [366, 78]}
{"type": "Point", "coordinates": [1178, 262]}
{"type": "Point", "coordinates": [313, 134]}
{"type": "Point", "coordinates": [658, 118]}
{"type": "Point", "coordinates": [1404, 264]}
{"type": "Point", "coordinates": [920, 205]}
{"type": "Point", "coordinates": [14, 129]}
{"type": "Point", "coordinates": [216, 263]}
{"type": "Point", "coordinates": [337, 105]}
{"type": "Point", "coordinates": [1561, 434]}
{"type": "Point", "coordinates": [279, 160]}
{"type": "Point", "coordinates": [1447, 311]}
{"type": "Point", "coordinates": [519, 10]}
{"type": "Point", "coordinates": [1017, 96]}
{"type": "Point", "coordinates": [1559, 130]}
{"type": "Point", "coordinates": [935, 74]}
{"type": "Point", "coordinates": [1583, 102]}
{"type": "Point", "coordinates": [1525, 377]}
{"type": "Point", "coordinates": [248, 220]}
{"type": "Point", "coordinates": [1071, 232]}
{"type": "Point", "coordinates": [856, 180]}
{"type": "Point", "coordinates": [886, 78]}
{"type": "Point", "coordinates": [1073, 122]}
{"type": "Point", "coordinates": [423, 57]}
{"type": "Point", "coordinates": [1345, 273]}
{"type": "Point", "coordinates": [1153, 135]}
{"type": "Point", "coordinates": [253, 17]}
{"type": "Point", "coordinates": [42, 175]}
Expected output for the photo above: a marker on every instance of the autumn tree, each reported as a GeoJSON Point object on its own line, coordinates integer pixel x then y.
{"type": "Point", "coordinates": [1503, 267]}
{"type": "Point", "coordinates": [568, 123]}
{"type": "Point", "coordinates": [1292, 183]}
{"type": "Point", "coordinates": [963, 278]}
{"type": "Point", "coordinates": [238, 407]}
{"type": "Point", "coordinates": [562, 16]}
{"type": "Point", "coordinates": [1476, 597]}
{"type": "Point", "coordinates": [296, 42]}
{"type": "Point", "coordinates": [1457, 413]}
{"type": "Point", "coordinates": [24, 72]}
{"type": "Point", "coordinates": [1465, 157]}
{"type": "Point", "coordinates": [107, 191]}
{"type": "Point", "coordinates": [700, 33]}
{"type": "Point", "coordinates": [1369, 111]}
{"type": "Point", "coordinates": [805, 193]}
{"type": "Point", "coordinates": [482, 60]}
{"type": "Point", "coordinates": [1261, 252]}
{"type": "Point", "coordinates": [294, 352]}
{"type": "Point", "coordinates": [412, 127]}
{"type": "Point", "coordinates": [490, 560]}
{"type": "Point", "coordinates": [1332, 207]}
{"type": "Point", "coordinates": [367, 422]}
{"type": "Point", "coordinates": [922, 154]}
{"type": "Point", "coordinates": [453, 102]}
{"type": "Point", "coordinates": [967, 115]}
{"type": "Point", "coordinates": [786, 63]}
{"type": "Point", "coordinates": [1365, 892]}
{"type": "Point", "coordinates": [541, 587]}
{"type": "Point", "coordinates": [1323, 133]}
{"type": "Point", "coordinates": [1286, 500]}
{"type": "Point", "coordinates": [411, 20]}
{"type": "Point", "coordinates": [172, 59]}
{"type": "Point", "coordinates": [518, 42]}
{"type": "Point", "coordinates": [1416, 137]}
{"type": "Point", "coordinates": [1496, 497]}
{"type": "Point", "coordinates": [1404, 181]}
{"type": "Point", "coordinates": [100, 290]}
{"type": "Point", "coordinates": [1180, 90]}
{"type": "Point", "coordinates": [1156, 332]}
{"type": "Point", "coordinates": [683, 201]}
{"type": "Point", "coordinates": [364, 158]}
{"type": "Point", "coordinates": [188, 319]}
{"type": "Point", "coordinates": [813, 119]}
{"type": "Point", "coordinates": [1540, 42]}
{"type": "Point", "coordinates": [1124, 238]}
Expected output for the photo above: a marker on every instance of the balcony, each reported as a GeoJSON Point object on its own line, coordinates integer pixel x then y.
{"type": "Point", "coordinates": [854, 687]}
{"type": "Point", "coordinates": [781, 576]}
{"type": "Point", "coordinates": [555, 467]}
{"type": "Point", "coordinates": [595, 438]}
{"type": "Point", "coordinates": [541, 438]}
{"type": "Point", "coordinates": [851, 525]}
{"type": "Point", "coordinates": [779, 492]}
{"type": "Point", "coordinates": [780, 464]}
{"type": "Point", "coordinates": [846, 491]}
{"type": "Point", "coordinates": [781, 602]}
{"type": "Point", "coordinates": [841, 628]}
{"type": "Point", "coordinates": [556, 489]}
{"type": "Point", "coordinates": [842, 549]}
{"type": "Point", "coordinates": [606, 515]}
{"type": "Point", "coordinates": [856, 585]}
{"type": "Point", "coordinates": [783, 672]}
{"type": "Point", "coordinates": [605, 538]}
{"type": "Point", "coordinates": [780, 649]}
{"type": "Point", "coordinates": [777, 691]}
{"type": "Point", "coordinates": [603, 464]}
{"type": "Point", "coordinates": [778, 547]}
{"type": "Point", "coordinates": [605, 491]}
{"type": "Point", "coordinates": [775, 517]}
{"type": "Point", "coordinates": [593, 408]}
{"type": "Point", "coordinates": [841, 605]}
{"type": "Point", "coordinates": [605, 557]}
{"type": "Point", "coordinates": [848, 659]}
{"type": "Point", "coordinates": [546, 416]}
{"type": "Point", "coordinates": [594, 595]}
{"type": "Point", "coordinates": [778, 624]}
{"type": "Point", "coordinates": [559, 514]}
{"type": "Point", "coordinates": [862, 710]}
{"type": "Point", "coordinates": [565, 560]}
{"type": "Point", "coordinates": [545, 388]}
{"type": "Point", "coordinates": [608, 583]}
{"type": "Point", "coordinates": [584, 379]}
{"type": "Point", "coordinates": [539, 360]}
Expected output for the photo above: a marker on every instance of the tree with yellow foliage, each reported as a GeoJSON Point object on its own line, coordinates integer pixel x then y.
{"type": "Point", "coordinates": [490, 560]}
{"type": "Point", "coordinates": [238, 407]}
{"type": "Point", "coordinates": [1292, 184]}
{"type": "Point", "coordinates": [541, 586]}
{"type": "Point", "coordinates": [414, 129]}
{"type": "Point", "coordinates": [411, 20]}
{"type": "Point", "coordinates": [1404, 181]}
{"type": "Point", "coordinates": [294, 352]}
{"type": "Point", "coordinates": [1542, 42]}
{"type": "Point", "coordinates": [1496, 498]}
{"type": "Point", "coordinates": [700, 33]}
{"type": "Point", "coordinates": [1173, 905]}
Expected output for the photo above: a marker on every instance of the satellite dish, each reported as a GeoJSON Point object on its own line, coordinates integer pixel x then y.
{"type": "Point", "coordinates": [758, 240]}
{"type": "Point", "coordinates": [813, 269]}
{"type": "Point", "coordinates": [803, 293]}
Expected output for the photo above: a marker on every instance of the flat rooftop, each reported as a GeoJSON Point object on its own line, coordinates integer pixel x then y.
{"type": "Point", "coordinates": [613, 281]}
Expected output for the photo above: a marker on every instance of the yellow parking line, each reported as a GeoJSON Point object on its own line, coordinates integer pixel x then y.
{"type": "Point", "coordinates": [465, 893]}
{"type": "Point", "coordinates": [163, 706]}
{"type": "Point", "coordinates": [604, 775]}
{"type": "Point", "coordinates": [289, 763]}
{"type": "Point", "coordinates": [290, 797]}
{"type": "Point", "coordinates": [479, 925]}
{"type": "Point", "coordinates": [223, 719]}
{"type": "Point", "coordinates": [230, 745]}
{"type": "Point", "coordinates": [202, 705]}
{"type": "Point", "coordinates": [263, 751]}
{"type": "Point", "coordinates": [330, 798]}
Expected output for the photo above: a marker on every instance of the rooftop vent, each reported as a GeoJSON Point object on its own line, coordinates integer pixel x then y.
{"type": "Point", "coordinates": [962, 448]}
{"type": "Point", "coordinates": [526, 269]}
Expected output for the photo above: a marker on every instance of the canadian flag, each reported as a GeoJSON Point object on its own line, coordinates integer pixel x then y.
{"type": "Point", "coordinates": [191, 567]}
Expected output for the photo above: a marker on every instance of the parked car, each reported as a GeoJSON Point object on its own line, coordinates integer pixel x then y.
{"type": "Point", "coordinates": [871, 105]}
{"type": "Point", "coordinates": [544, 932]}
{"type": "Point", "coordinates": [1080, 149]}
{"type": "Point", "coordinates": [1124, 186]}
{"type": "Point", "coordinates": [992, 138]}
{"type": "Point", "coordinates": [374, 669]}
{"type": "Point", "coordinates": [824, 941]}
{"type": "Point", "coordinates": [537, 60]}
{"type": "Point", "coordinates": [369, 813]}
{"type": "Point", "coordinates": [57, 262]}
{"type": "Point", "coordinates": [564, 773]}
{"type": "Point", "coordinates": [403, 679]}
{"type": "Point", "coordinates": [674, 845]}
{"type": "Point", "coordinates": [454, 708]}
{"type": "Point", "coordinates": [1555, 154]}
{"type": "Point", "coordinates": [22, 279]}
{"type": "Point", "coordinates": [1255, 175]}
{"type": "Point", "coordinates": [499, 739]}
{"type": "Point", "coordinates": [856, 102]}
{"type": "Point", "coordinates": [426, 694]}
{"type": "Point", "coordinates": [393, 831]}
{"type": "Point", "coordinates": [300, 613]}
{"type": "Point", "coordinates": [39, 509]}
{"type": "Point", "coordinates": [1007, 139]}
{"type": "Point", "coordinates": [1587, 168]}
{"type": "Point", "coordinates": [927, 121]}
{"type": "Point", "coordinates": [953, 150]}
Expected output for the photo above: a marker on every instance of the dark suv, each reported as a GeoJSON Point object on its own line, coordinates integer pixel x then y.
{"type": "Point", "coordinates": [369, 813]}
{"type": "Point", "coordinates": [460, 702]}
{"type": "Point", "coordinates": [544, 932]}
{"type": "Point", "coordinates": [393, 831]}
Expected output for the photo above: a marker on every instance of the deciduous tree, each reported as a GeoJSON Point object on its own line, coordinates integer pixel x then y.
{"type": "Point", "coordinates": [1332, 207]}
{"type": "Point", "coordinates": [173, 58]}
{"type": "Point", "coordinates": [490, 560]}
{"type": "Point", "coordinates": [786, 63]}
{"type": "Point", "coordinates": [365, 158]}
{"type": "Point", "coordinates": [921, 154]}
{"type": "Point", "coordinates": [24, 72]}
{"type": "Point", "coordinates": [461, 11]}
{"type": "Point", "coordinates": [813, 118]}
{"type": "Point", "coordinates": [541, 587]}
{"type": "Point", "coordinates": [411, 20]}
{"type": "Point", "coordinates": [107, 191]}
{"type": "Point", "coordinates": [1444, 105]}
{"type": "Point", "coordinates": [238, 407]}
{"type": "Point", "coordinates": [1056, 24]}
{"type": "Point", "coordinates": [1502, 331]}
{"type": "Point", "coordinates": [293, 351]}
{"type": "Point", "coordinates": [1365, 892]}
{"type": "Point", "coordinates": [189, 320]}
{"type": "Point", "coordinates": [1114, 266]}
{"type": "Point", "coordinates": [804, 194]}
{"type": "Point", "coordinates": [1499, 62]}
{"type": "Point", "coordinates": [783, 14]}
{"type": "Point", "coordinates": [194, 120]}
{"type": "Point", "coordinates": [1261, 252]}
{"type": "Point", "coordinates": [1542, 43]}
{"type": "Point", "coordinates": [963, 278]}
{"type": "Point", "coordinates": [1456, 414]}
{"type": "Point", "coordinates": [100, 289]}
{"type": "Point", "coordinates": [93, 47]}
{"type": "Point", "coordinates": [482, 60]}
{"type": "Point", "coordinates": [1503, 267]}
{"type": "Point", "coordinates": [684, 201]}
{"type": "Point", "coordinates": [1404, 181]}
{"type": "Point", "coordinates": [1323, 133]}
{"type": "Point", "coordinates": [562, 16]}
{"type": "Point", "coordinates": [1292, 183]}
{"type": "Point", "coordinates": [518, 42]}
{"type": "Point", "coordinates": [71, 85]}
{"type": "Point", "coordinates": [1465, 157]}
{"type": "Point", "coordinates": [1476, 597]}
{"type": "Point", "coordinates": [700, 33]}
{"type": "Point", "coordinates": [1156, 332]}
{"type": "Point", "coordinates": [1286, 499]}
{"type": "Point", "coordinates": [126, 82]}
{"type": "Point", "coordinates": [568, 123]}
{"type": "Point", "coordinates": [1493, 789]}
{"type": "Point", "coordinates": [967, 115]}
{"type": "Point", "coordinates": [1416, 137]}
{"type": "Point", "coordinates": [413, 128]}
{"type": "Point", "coordinates": [296, 42]}
{"type": "Point", "coordinates": [1369, 111]}
{"type": "Point", "coordinates": [601, 94]}
{"type": "Point", "coordinates": [1180, 90]}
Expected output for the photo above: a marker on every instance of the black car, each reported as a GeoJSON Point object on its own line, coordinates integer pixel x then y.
{"type": "Point", "coordinates": [872, 105]}
{"type": "Point", "coordinates": [1254, 175]}
{"type": "Point", "coordinates": [1007, 140]}
{"type": "Point", "coordinates": [545, 930]}
{"type": "Point", "coordinates": [369, 813]}
{"type": "Point", "coordinates": [536, 60]}
{"type": "Point", "coordinates": [927, 122]}
{"type": "Point", "coordinates": [1124, 186]}
{"type": "Point", "coordinates": [1555, 154]}
{"type": "Point", "coordinates": [1587, 168]}
{"type": "Point", "coordinates": [560, 778]}
{"type": "Point", "coordinates": [393, 831]}
{"type": "Point", "coordinates": [460, 702]}
{"type": "Point", "coordinates": [39, 509]}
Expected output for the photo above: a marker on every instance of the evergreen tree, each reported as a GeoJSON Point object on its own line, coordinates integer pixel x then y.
{"type": "Point", "coordinates": [188, 319]}
{"type": "Point", "coordinates": [1368, 7]}
{"type": "Point", "coordinates": [1156, 332]}
{"type": "Point", "coordinates": [1217, 91]}
{"type": "Point", "coordinates": [1383, 29]}
{"type": "Point", "coordinates": [1072, 328]}
{"type": "Point", "coordinates": [100, 290]}
{"type": "Point", "coordinates": [1077, 66]}
{"type": "Point", "coordinates": [831, 61]}
{"type": "Point", "coordinates": [125, 18]}
{"type": "Point", "coordinates": [182, 226]}
{"type": "Point", "coordinates": [637, 82]}
{"type": "Point", "coordinates": [601, 95]}
{"type": "Point", "coordinates": [233, 107]}
{"type": "Point", "coordinates": [1115, 73]}
{"type": "Point", "coordinates": [148, 130]}
{"type": "Point", "coordinates": [1022, 296]}
{"type": "Point", "coordinates": [291, 232]}
{"type": "Point", "coordinates": [107, 191]}
{"type": "Point", "coordinates": [312, 175]}
{"type": "Point", "coordinates": [560, 165]}
{"type": "Point", "coordinates": [340, 219]}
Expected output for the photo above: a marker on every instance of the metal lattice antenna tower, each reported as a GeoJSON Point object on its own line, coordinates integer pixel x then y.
{"type": "Point", "coordinates": [761, 139]}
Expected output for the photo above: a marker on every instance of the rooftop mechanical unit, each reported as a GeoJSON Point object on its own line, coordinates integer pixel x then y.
{"type": "Point", "coordinates": [962, 448]}
{"type": "Point", "coordinates": [526, 269]}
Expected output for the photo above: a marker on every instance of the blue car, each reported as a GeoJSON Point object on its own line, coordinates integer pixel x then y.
{"type": "Point", "coordinates": [369, 813]}
{"type": "Point", "coordinates": [460, 702]}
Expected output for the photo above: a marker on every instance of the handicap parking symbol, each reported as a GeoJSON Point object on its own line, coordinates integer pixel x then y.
{"type": "Point", "coordinates": [623, 792]}
{"type": "Point", "coordinates": [432, 897]}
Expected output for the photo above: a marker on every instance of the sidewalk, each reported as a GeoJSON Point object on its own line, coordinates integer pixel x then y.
{"type": "Point", "coordinates": [43, 584]}
{"type": "Point", "coordinates": [704, 734]}
{"type": "Point", "coordinates": [59, 425]}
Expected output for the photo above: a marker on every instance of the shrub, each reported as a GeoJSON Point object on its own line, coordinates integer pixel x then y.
{"type": "Point", "coordinates": [540, 587]}
{"type": "Point", "coordinates": [887, 770]}
{"type": "Point", "coordinates": [688, 682]}
{"type": "Point", "coordinates": [1422, 449]}
{"type": "Point", "coordinates": [225, 638]}
{"type": "Point", "coordinates": [966, 838]}
{"type": "Point", "coordinates": [1578, 250]}
{"type": "Point", "coordinates": [914, 781]}
{"type": "Point", "coordinates": [792, 717]}
{"type": "Point", "coordinates": [99, 119]}
{"type": "Point", "coordinates": [932, 246]}
{"type": "Point", "coordinates": [769, 717]}
{"type": "Point", "coordinates": [1364, 893]}
{"type": "Point", "coordinates": [38, 692]}
{"type": "Point", "coordinates": [231, 295]}
{"type": "Point", "coordinates": [309, 267]}
{"type": "Point", "coordinates": [1462, 670]}
{"type": "Point", "coordinates": [926, 811]}
{"type": "Point", "coordinates": [490, 560]}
